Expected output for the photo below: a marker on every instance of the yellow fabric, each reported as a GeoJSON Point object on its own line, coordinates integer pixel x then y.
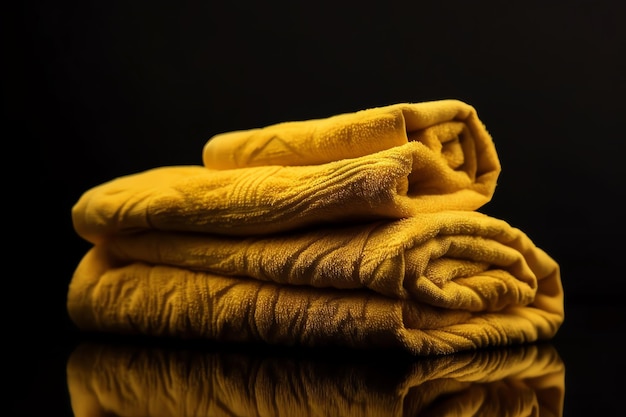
{"type": "Point", "coordinates": [120, 380]}
{"type": "Point", "coordinates": [394, 183]}
{"type": "Point", "coordinates": [431, 284]}
{"type": "Point", "coordinates": [449, 129]}
{"type": "Point", "coordinates": [379, 247]}
{"type": "Point", "coordinates": [388, 162]}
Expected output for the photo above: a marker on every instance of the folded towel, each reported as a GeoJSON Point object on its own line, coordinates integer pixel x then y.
{"type": "Point", "coordinates": [269, 199]}
{"type": "Point", "coordinates": [358, 230]}
{"type": "Point", "coordinates": [450, 131]}
{"type": "Point", "coordinates": [181, 381]}
{"type": "Point", "coordinates": [389, 162]}
{"type": "Point", "coordinates": [430, 284]}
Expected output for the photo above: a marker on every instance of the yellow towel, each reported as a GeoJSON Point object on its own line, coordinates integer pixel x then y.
{"type": "Point", "coordinates": [450, 131]}
{"type": "Point", "coordinates": [431, 284]}
{"type": "Point", "coordinates": [357, 230]}
{"type": "Point", "coordinates": [389, 162]}
{"type": "Point", "coordinates": [141, 381]}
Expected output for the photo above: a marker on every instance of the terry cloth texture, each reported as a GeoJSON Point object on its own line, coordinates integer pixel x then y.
{"type": "Point", "coordinates": [433, 283]}
{"type": "Point", "coordinates": [140, 381]}
{"type": "Point", "coordinates": [368, 238]}
{"type": "Point", "coordinates": [389, 162]}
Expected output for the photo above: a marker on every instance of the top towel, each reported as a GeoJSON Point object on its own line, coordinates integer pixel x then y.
{"type": "Point", "coordinates": [449, 128]}
{"type": "Point", "coordinates": [387, 162]}
{"type": "Point", "coordinates": [453, 161]}
{"type": "Point", "coordinates": [451, 131]}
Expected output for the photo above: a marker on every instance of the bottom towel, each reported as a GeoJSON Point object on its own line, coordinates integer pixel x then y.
{"type": "Point", "coordinates": [432, 284]}
{"type": "Point", "coordinates": [141, 381]}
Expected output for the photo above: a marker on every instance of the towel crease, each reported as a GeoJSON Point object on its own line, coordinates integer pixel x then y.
{"type": "Point", "coordinates": [395, 183]}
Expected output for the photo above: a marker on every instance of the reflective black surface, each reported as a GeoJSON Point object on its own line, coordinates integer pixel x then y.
{"type": "Point", "coordinates": [133, 379]}
{"type": "Point", "coordinates": [580, 372]}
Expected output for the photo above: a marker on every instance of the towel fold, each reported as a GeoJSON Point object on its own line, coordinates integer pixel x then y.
{"type": "Point", "coordinates": [389, 162]}
{"type": "Point", "coordinates": [436, 283]}
{"type": "Point", "coordinates": [394, 183]}
{"type": "Point", "coordinates": [450, 131]}
{"type": "Point", "coordinates": [134, 380]}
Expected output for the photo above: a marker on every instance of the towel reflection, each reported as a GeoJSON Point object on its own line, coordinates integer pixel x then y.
{"type": "Point", "coordinates": [135, 380]}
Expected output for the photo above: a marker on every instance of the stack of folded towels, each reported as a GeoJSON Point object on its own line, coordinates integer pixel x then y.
{"type": "Point", "coordinates": [360, 230]}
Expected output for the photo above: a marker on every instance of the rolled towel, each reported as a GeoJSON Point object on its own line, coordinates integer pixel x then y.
{"type": "Point", "coordinates": [430, 284]}
{"type": "Point", "coordinates": [134, 380]}
{"type": "Point", "coordinates": [389, 162]}
{"type": "Point", "coordinates": [450, 130]}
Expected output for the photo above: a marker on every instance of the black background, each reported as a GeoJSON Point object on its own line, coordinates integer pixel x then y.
{"type": "Point", "coordinates": [95, 90]}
